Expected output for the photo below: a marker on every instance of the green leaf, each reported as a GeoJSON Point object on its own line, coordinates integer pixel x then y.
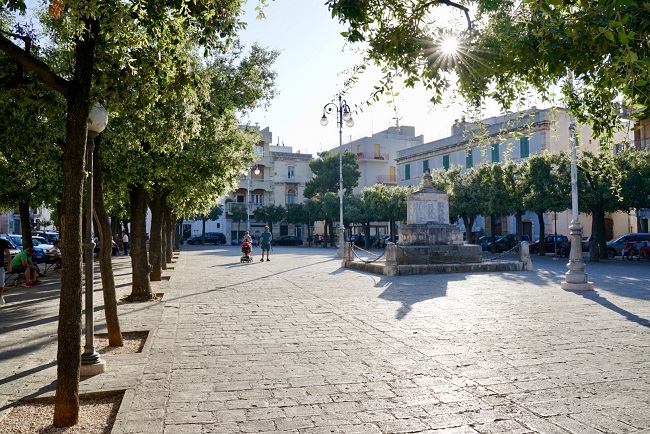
{"type": "Point", "coordinates": [609, 35]}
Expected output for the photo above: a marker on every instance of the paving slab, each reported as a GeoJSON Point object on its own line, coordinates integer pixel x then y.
{"type": "Point", "coordinates": [300, 345]}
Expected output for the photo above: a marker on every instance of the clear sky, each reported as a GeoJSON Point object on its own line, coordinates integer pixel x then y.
{"type": "Point", "coordinates": [310, 74]}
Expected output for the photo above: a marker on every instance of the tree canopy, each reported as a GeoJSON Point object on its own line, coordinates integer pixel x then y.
{"type": "Point", "coordinates": [506, 48]}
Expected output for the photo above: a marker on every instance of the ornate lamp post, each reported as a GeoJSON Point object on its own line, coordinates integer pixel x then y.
{"type": "Point", "coordinates": [91, 362]}
{"type": "Point", "coordinates": [575, 278]}
{"type": "Point", "coordinates": [343, 113]}
{"type": "Point", "coordinates": [248, 197]}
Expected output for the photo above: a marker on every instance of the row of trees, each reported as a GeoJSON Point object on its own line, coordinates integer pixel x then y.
{"type": "Point", "coordinates": [173, 77]}
{"type": "Point", "coordinates": [607, 183]}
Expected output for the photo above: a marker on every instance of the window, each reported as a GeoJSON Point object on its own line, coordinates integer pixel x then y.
{"type": "Point", "coordinates": [524, 147]}
{"type": "Point", "coordinates": [407, 171]}
{"type": "Point", "coordinates": [469, 158]}
{"type": "Point", "coordinates": [291, 172]}
{"type": "Point", "coordinates": [291, 196]}
{"type": "Point", "coordinates": [445, 162]}
{"type": "Point", "coordinates": [425, 165]}
{"type": "Point", "coordinates": [495, 152]}
{"type": "Point", "coordinates": [240, 199]}
{"type": "Point", "coordinates": [257, 199]}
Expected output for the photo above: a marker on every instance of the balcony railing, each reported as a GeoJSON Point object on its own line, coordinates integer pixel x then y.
{"type": "Point", "coordinates": [371, 156]}
{"type": "Point", "coordinates": [253, 206]}
{"type": "Point", "coordinates": [642, 144]}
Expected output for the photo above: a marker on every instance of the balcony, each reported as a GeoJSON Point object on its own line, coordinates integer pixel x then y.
{"type": "Point", "coordinates": [386, 179]}
{"type": "Point", "coordinates": [372, 156]}
{"type": "Point", "coordinates": [253, 206]}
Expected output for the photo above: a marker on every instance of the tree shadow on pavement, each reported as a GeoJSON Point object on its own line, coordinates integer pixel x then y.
{"type": "Point", "coordinates": [414, 290]}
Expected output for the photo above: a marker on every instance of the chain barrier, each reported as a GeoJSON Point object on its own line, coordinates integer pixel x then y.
{"type": "Point", "coordinates": [515, 249]}
{"type": "Point", "coordinates": [354, 247]}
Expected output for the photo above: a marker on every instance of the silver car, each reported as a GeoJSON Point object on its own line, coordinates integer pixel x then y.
{"type": "Point", "coordinates": [615, 246]}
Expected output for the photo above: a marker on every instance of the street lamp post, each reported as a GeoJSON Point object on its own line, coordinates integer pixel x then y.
{"type": "Point", "coordinates": [575, 278]}
{"type": "Point", "coordinates": [248, 197]}
{"type": "Point", "coordinates": [91, 362]}
{"type": "Point", "coordinates": [343, 113]}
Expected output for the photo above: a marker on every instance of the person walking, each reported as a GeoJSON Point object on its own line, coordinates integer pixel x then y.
{"type": "Point", "coordinates": [125, 242]}
{"type": "Point", "coordinates": [6, 258]}
{"type": "Point", "coordinates": [265, 242]}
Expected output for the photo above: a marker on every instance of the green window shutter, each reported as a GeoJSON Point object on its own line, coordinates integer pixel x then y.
{"type": "Point", "coordinates": [495, 152]}
{"type": "Point", "coordinates": [425, 165]}
{"type": "Point", "coordinates": [469, 158]}
{"type": "Point", "coordinates": [407, 171]}
{"type": "Point", "coordinates": [445, 161]}
{"type": "Point", "coordinates": [524, 147]}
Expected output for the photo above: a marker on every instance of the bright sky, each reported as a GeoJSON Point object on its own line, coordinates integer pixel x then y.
{"type": "Point", "coordinates": [310, 68]}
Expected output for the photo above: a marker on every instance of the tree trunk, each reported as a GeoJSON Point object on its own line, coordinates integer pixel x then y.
{"type": "Point", "coordinates": [25, 225]}
{"type": "Point", "coordinates": [141, 288]}
{"type": "Point", "coordinates": [178, 234]}
{"type": "Point", "coordinates": [520, 225]}
{"type": "Point", "coordinates": [599, 232]}
{"type": "Point", "coordinates": [493, 228]}
{"type": "Point", "coordinates": [469, 223]}
{"type": "Point", "coordinates": [66, 402]}
{"type": "Point", "coordinates": [366, 233]}
{"type": "Point", "coordinates": [325, 229]}
{"type": "Point", "coordinates": [105, 253]}
{"type": "Point", "coordinates": [332, 234]}
{"type": "Point", "coordinates": [169, 236]}
{"type": "Point", "coordinates": [542, 234]}
{"type": "Point", "coordinates": [155, 237]}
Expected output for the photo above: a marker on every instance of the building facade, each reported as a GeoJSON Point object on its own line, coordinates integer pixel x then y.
{"type": "Point", "coordinates": [277, 177]}
{"type": "Point", "coordinates": [512, 137]}
{"type": "Point", "coordinates": [376, 157]}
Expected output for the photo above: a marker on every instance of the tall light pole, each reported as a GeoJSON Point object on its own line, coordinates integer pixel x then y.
{"type": "Point", "coordinates": [343, 113]}
{"type": "Point", "coordinates": [575, 278]}
{"type": "Point", "coordinates": [248, 196]}
{"type": "Point", "coordinates": [91, 362]}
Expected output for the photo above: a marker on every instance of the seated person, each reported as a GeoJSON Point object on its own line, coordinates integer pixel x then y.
{"type": "Point", "coordinates": [55, 254]}
{"type": "Point", "coordinates": [627, 250]}
{"type": "Point", "coordinates": [22, 263]}
{"type": "Point", "coordinates": [644, 252]}
{"type": "Point", "coordinates": [565, 249]}
{"type": "Point", "coordinates": [115, 248]}
{"type": "Point", "coordinates": [96, 249]}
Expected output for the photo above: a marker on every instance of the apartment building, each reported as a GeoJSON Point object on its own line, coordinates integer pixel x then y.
{"type": "Point", "coordinates": [513, 137]}
{"type": "Point", "coordinates": [278, 176]}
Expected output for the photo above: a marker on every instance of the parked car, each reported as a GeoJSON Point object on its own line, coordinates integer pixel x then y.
{"type": "Point", "coordinates": [484, 240]}
{"type": "Point", "coordinates": [13, 250]}
{"type": "Point", "coordinates": [550, 242]}
{"type": "Point", "coordinates": [39, 253]}
{"type": "Point", "coordinates": [615, 246]}
{"type": "Point", "coordinates": [43, 244]}
{"type": "Point", "coordinates": [50, 236]}
{"type": "Point", "coordinates": [209, 238]}
{"type": "Point", "coordinates": [287, 240]}
{"type": "Point", "coordinates": [505, 243]}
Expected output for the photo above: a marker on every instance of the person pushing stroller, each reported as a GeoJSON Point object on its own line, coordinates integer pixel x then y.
{"type": "Point", "coordinates": [246, 247]}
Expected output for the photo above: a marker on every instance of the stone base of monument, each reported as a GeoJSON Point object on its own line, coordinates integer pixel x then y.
{"type": "Point", "coordinates": [406, 260]}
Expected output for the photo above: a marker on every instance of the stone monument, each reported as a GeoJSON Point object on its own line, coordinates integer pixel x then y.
{"type": "Point", "coordinates": [428, 238]}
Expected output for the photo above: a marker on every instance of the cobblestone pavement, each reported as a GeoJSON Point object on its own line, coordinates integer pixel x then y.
{"type": "Point", "coordinates": [299, 345]}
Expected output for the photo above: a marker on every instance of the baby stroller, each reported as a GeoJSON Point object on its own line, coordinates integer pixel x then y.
{"type": "Point", "coordinates": [246, 250]}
